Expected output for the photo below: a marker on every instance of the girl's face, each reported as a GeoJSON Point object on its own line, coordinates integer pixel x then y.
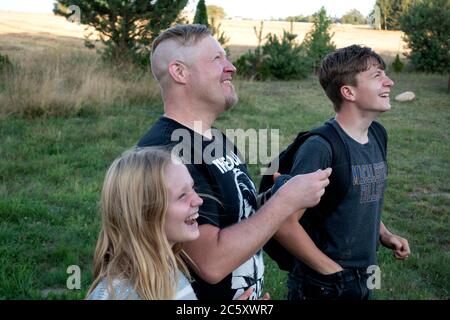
{"type": "Point", "coordinates": [184, 202]}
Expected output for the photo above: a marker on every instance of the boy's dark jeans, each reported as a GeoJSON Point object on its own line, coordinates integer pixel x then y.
{"type": "Point", "coordinates": [348, 284]}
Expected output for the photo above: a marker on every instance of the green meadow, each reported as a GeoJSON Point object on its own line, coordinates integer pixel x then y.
{"type": "Point", "coordinates": [59, 135]}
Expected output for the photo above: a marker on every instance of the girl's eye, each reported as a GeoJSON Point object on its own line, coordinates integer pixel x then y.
{"type": "Point", "coordinates": [182, 196]}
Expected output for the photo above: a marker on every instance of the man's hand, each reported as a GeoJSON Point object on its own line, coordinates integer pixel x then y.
{"type": "Point", "coordinates": [398, 244]}
{"type": "Point", "coordinates": [249, 292]}
{"type": "Point", "coordinates": [304, 191]}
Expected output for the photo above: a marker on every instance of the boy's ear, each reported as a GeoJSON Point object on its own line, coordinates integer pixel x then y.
{"type": "Point", "coordinates": [178, 71]}
{"type": "Point", "coordinates": [348, 93]}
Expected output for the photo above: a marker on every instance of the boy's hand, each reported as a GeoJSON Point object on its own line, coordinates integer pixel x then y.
{"type": "Point", "coordinates": [398, 244]}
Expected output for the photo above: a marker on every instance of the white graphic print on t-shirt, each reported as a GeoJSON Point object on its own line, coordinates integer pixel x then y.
{"type": "Point", "coordinates": [250, 273]}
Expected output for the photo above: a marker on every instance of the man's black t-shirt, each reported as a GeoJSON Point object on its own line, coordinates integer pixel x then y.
{"type": "Point", "coordinates": [229, 195]}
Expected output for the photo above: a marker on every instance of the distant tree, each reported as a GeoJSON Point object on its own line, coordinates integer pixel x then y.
{"type": "Point", "coordinates": [278, 58]}
{"type": "Point", "coordinates": [353, 17]}
{"type": "Point", "coordinates": [283, 57]}
{"type": "Point", "coordinates": [397, 64]}
{"type": "Point", "coordinates": [299, 18]}
{"type": "Point", "coordinates": [201, 15]}
{"type": "Point", "coordinates": [377, 17]}
{"type": "Point", "coordinates": [216, 12]}
{"type": "Point", "coordinates": [385, 11]}
{"type": "Point", "coordinates": [126, 28]}
{"type": "Point", "coordinates": [390, 11]}
{"type": "Point", "coordinates": [318, 42]}
{"type": "Point", "coordinates": [426, 25]}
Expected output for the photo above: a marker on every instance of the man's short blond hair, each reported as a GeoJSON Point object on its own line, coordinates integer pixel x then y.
{"type": "Point", "coordinates": [183, 34]}
{"type": "Point", "coordinates": [182, 37]}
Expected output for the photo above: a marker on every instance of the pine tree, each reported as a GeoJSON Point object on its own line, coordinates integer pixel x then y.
{"type": "Point", "coordinates": [126, 28]}
{"type": "Point", "coordinates": [201, 15]}
{"type": "Point", "coordinates": [426, 25]}
{"type": "Point", "coordinates": [317, 43]}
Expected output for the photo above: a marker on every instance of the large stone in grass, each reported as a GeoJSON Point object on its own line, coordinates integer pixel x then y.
{"type": "Point", "coordinates": [405, 96]}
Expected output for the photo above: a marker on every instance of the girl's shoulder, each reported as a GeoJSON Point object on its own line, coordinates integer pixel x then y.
{"type": "Point", "coordinates": [120, 290]}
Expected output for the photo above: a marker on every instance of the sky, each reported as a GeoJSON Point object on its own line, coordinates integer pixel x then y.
{"type": "Point", "coordinates": [253, 9]}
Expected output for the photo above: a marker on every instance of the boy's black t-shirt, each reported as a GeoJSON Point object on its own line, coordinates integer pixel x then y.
{"type": "Point", "coordinates": [229, 196]}
{"type": "Point", "coordinates": [349, 235]}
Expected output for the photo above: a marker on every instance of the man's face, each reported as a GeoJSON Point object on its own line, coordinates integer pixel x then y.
{"type": "Point", "coordinates": [211, 75]}
{"type": "Point", "coordinates": [372, 90]}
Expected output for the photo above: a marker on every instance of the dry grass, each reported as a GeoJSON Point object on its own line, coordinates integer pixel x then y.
{"type": "Point", "coordinates": [60, 82]}
{"type": "Point", "coordinates": [55, 74]}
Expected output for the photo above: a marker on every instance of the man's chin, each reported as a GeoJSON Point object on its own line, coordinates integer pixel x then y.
{"type": "Point", "coordinates": [230, 102]}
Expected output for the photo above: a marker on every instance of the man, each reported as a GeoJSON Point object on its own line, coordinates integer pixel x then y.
{"type": "Point", "coordinates": [196, 85]}
{"type": "Point", "coordinates": [334, 249]}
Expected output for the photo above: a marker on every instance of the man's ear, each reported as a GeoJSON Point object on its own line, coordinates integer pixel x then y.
{"type": "Point", "coordinates": [348, 93]}
{"type": "Point", "coordinates": [178, 71]}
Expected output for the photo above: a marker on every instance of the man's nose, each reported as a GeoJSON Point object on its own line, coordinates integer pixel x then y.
{"type": "Point", "coordinates": [229, 67]}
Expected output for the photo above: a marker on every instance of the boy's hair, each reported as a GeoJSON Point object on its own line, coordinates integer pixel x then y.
{"type": "Point", "coordinates": [184, 34]}
{"type": "Point", "coordinates": [340, 68]}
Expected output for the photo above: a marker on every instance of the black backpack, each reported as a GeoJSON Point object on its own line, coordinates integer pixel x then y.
{"type": "Point", "coordinates": [340, 180]}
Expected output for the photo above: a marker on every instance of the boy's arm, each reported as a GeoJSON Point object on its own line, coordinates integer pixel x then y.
{"type": "Point", "coordinates": [294, 238]}
{"type": "Point", "coordinates": [399, 245]}
{"type": "Point", "coordinates": [314, 154]}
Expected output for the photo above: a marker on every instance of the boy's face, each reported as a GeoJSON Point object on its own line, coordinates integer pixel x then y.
{"type": "Point", "coordinates": [372, 90]}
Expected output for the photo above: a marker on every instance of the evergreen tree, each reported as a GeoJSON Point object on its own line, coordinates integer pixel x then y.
{"type": "Point", "coordinates": [201, 15]}
{"type": "Point", "coordinates": [317, 43]}
{"type": "Point", "coordinates": [126, 28]}
{"type": "Point", "coordinates": [426, 25]}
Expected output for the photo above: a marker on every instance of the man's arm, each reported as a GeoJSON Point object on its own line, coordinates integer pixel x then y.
{"type": "Point", "coordinates": [399, 245]}
{"type": "Point", "coordinates": [217, 252]}
{"type": "Point", "coordinates": [294, 238]}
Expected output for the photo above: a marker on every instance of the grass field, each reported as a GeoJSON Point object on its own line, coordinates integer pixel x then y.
{"type": "Point", "coordinates": [52, 167]}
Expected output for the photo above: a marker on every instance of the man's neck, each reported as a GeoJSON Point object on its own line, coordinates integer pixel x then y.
{"type": "Point", "coordinates": [355, 124]}
{"type": "Point", "coordinates": [199, 123]}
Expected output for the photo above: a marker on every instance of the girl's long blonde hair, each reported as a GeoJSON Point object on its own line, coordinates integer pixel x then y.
{"type": "Point", "coordinates": [132, 244]}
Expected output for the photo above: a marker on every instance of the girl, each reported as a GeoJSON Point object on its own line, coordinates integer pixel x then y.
{"type": "Point", "coordinates": [148, 209]}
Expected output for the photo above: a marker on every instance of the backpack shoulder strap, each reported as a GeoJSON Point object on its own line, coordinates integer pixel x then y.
{"type": "Point", "coordinates": [330, 135]}
{"type": "Point", "coordinates": [381, 137]}
{"type": "Point", "coordinates": [340, 178]}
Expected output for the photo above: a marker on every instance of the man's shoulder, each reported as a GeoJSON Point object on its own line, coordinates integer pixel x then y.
{"type": "Point", "coordinates": [160, 133]}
